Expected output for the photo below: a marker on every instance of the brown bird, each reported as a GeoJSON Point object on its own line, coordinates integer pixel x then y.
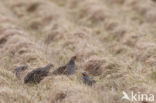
{"type": "Point", "coordinates": [20, 69]}
{"type": "Point", "coordinates": [67, 69]}
{"type": "Point", "coordinates": [87, 80]}
{"type": "Point", "coordinates": [36, 75]}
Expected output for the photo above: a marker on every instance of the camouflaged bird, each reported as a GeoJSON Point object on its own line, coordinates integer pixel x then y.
{"type": "Point", "coordinates": [20, 69]}
{"type": "Point", "coordinates": [87, 80]}
{"type": "Point", "coordinates": [67, 69]}
{"type": "Point", "coordinates": [36, 75]}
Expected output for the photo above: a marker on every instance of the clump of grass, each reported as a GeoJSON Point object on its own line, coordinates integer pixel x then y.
{"type": "Point", "coordinates": [94, 66]}
{"type": "Point", "coordinates": [154, 75]}
{"type": "Point", "coordinates": [33, 7]}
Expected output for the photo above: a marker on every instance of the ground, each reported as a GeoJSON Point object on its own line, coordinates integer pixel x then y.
{"type": "Point", "coordinates": [114, 41]}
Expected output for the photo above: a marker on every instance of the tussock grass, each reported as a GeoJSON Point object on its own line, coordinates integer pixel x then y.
{"type": "Point", "coordinates": [114, 41]}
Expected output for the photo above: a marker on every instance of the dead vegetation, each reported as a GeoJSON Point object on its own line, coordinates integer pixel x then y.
{"type": "Point", "coordinates": [114, 40]}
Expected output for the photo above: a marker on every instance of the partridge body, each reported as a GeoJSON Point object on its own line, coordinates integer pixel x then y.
{"type": "Point", "coordinates": [36, 75]}
{"type": "Point", "coordinates": [87, 80]}
{"type": "Point", "coordinates": [67, 69]}
{"type": "Point", "coordinates": [20, 69]}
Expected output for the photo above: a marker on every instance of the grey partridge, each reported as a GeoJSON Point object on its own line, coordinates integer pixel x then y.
{"type": "Point", "coordinates": [87, 80]}
{"type": "Point", "coordinates": [67, 69]}
{"type": "Point", "coordinates": [36, 75]}
{"type": "Point", "coordinates": [20, 69]}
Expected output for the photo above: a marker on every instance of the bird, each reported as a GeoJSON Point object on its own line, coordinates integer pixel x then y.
{"type": "Point", "coordinates": [20, 69]}
{"type": "Point", "coordinates": [67, 69]}
{"type": "Point", "coordinates": [38, 74]}
{"type": "Point", "coordinates": [87, 80]}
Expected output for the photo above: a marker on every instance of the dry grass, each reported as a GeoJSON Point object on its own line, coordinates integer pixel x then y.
{"type": "Point", "coordinates": [114, 40]}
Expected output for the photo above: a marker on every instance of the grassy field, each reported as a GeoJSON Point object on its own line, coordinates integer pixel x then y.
{"type": "Point", "coordinates": [114, 41]}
